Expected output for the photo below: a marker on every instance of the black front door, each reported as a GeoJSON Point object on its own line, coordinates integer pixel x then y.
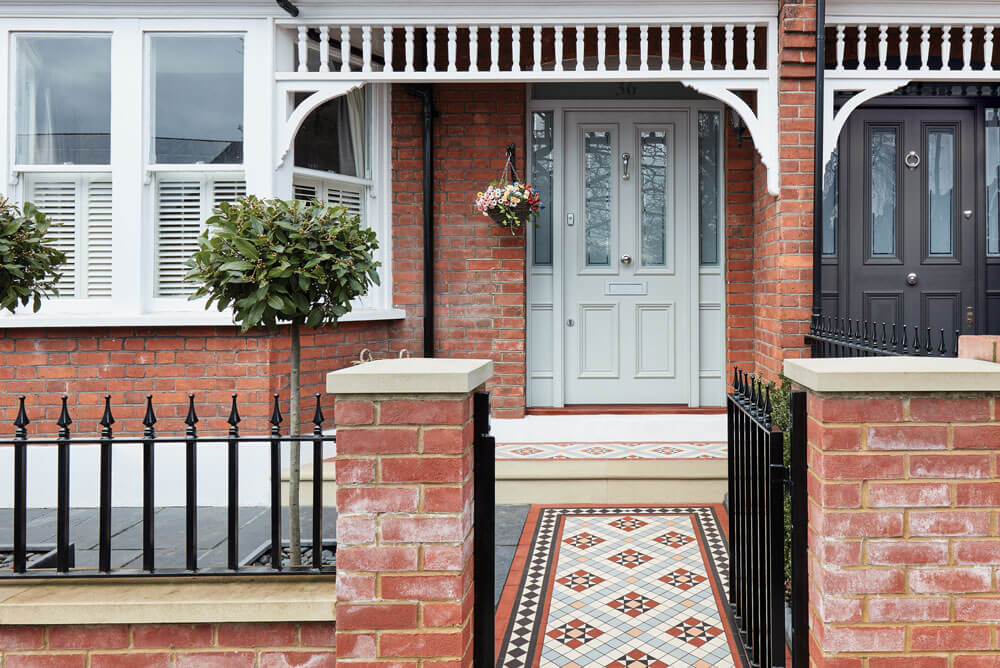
{"type": "Point", "coordinates": [910, 203]}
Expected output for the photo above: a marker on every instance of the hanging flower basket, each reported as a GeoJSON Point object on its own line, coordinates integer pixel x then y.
{"type": "Point", "coordinates": [509, 203]}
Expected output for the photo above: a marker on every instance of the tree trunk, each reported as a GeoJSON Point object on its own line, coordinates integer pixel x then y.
{"type": "Point", "coordinates": [295, 466]}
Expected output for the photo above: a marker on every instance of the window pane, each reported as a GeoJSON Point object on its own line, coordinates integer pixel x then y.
{"type": "Point", "coordinates": [334, 137]}
{"type": "Point", "coordinates": [883, 195]}
{"type": "Point", "coordinates": [831, 203]}
{"type": "Point", "coordinates": [653, 189]}
{"type": "Point", "coordinates": [197, 99]}
{"type": "Point", "coordinates": [542, 132]}
{"type": "Point", "coordinates": [940, 188]}
{"type": "Point", "coordinates": [708, 186]}
{"type": "Point", "coordinates": [597, 196]}
{"type": "Point", "coordinates": [63, 112]}
{"type": "Point", "coordinates": [993, 181]}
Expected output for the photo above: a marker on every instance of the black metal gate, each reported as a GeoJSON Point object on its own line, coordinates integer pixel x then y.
{"type": "Point", "coordinates": [758, 483]}
{"type": "Point", "coordinates": [483, 565]}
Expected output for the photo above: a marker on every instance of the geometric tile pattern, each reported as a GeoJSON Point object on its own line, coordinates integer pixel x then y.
{"type": "Point", "coordinates": [623, 587]}
{"type": "Point", "coordinates": [619, 450]}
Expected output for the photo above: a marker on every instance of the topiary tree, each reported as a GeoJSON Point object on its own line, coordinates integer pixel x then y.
{"type": "Point", "coordinates": [28, 267]}
{"type": "Point", "coordinates": [276, 261]}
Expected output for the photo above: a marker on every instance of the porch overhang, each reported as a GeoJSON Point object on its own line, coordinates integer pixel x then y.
{"type": "Point", "coordinates": [327, 51]}
{"type": "Point", "coordinates": [877, 49]}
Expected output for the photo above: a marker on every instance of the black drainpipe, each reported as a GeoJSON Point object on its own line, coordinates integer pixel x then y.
{"type": "Point", "coordinates": [819, 172]}
{"type": "Point", "coordinates": [426, 94]}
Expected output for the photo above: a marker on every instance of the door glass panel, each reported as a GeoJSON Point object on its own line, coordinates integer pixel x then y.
{"type": "Point", "coordinates": [940, 189]}
{"type": "Point", "coordinates": [541, 178]}
{"type": "Point", "coordinates": [993, 182]}
{"type": "Point", "coordinates": [597, 196]}
{"type": "Point", "coordinates": [831, 204]}
{"type": "Point", "coordinates": [708, 186]}
{"type": "Point", "coordinates": [653, 190]}
{"type": "Point", "coordinates": [883, 194]}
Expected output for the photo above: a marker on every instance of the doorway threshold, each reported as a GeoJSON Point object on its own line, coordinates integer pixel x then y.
{"type": "Point", "coordinates": [625, 409]}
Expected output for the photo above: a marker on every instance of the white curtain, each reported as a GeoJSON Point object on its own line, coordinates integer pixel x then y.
{"type": "Point", "coordinates": [355, 128]}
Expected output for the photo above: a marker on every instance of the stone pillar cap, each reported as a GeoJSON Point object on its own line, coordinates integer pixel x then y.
{"type": "Point", "coordinates": [417, 375]}
{"type": "Point", "coordinates": [894, 374]}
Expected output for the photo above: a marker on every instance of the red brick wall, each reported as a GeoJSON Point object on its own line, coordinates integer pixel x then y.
{"type": "Point", "coordinates": [739, 244]}
{"type": "Point", "coordinates": [479, 267]}
{"type": "Point", "coordinates": [783, 225]}
{"type": "Point", "coordinates": [903, 539]}
{"type": "Point", "coordinates": [266, 645]}
{"type": "Point", "coordinates": [169, 363]}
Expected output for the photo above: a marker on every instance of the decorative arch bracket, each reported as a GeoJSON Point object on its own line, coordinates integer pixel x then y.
{"type": "Point", "coordinates": [762, 124]}
{"type": "Point", "coordinates": [834, 120]}
{"type": "Point", "coordinates": [320, 92]}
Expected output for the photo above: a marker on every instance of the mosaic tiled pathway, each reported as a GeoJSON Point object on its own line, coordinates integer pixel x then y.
{"type": "Point", "coordinates": [618, 587]}
{"type": "Point", "coordinates": [618, 450]}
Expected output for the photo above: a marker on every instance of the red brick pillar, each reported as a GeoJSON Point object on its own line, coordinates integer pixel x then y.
{"type": "Point", "coordinates": [404, 498]}
{"type": "Point", "coordinates": [903, 496]}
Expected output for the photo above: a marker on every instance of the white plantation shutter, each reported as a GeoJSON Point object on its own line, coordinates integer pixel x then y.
{"type": "Point", "coordinates": [331, 191]}
{"type": "Point", "coordinates": [183, 203]}
{"type": "Point", "coordinates": [99, 239]}
{"type": "Point", "coordinates": [304, 192]}
{"type": "Point", "coordinates": [349, 197]}
{"type": "Point", "coordinates": [79, 209]}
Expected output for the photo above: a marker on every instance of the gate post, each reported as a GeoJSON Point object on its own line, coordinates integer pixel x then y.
{"type": "Point", "coordinates": [903, 488]}
{"type": "Point", "coordinates": [405, 511]}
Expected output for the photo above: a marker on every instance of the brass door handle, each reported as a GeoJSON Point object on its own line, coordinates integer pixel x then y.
{"type": "Point", "coordinates": [626, 259]}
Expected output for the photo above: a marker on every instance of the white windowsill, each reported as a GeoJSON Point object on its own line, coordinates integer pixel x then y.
{"type": "Point", "coordinates": [162, 319]}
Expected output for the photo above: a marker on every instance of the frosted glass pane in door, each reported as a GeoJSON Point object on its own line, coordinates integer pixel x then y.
{"type": "Point", "coordinates": [940, 190]}
{"type": "Point", "coordinates": [883, 191]}
{"type": "Point", "coordinates": [597, 196]}
{"type": "Point", "coordinates": [653, 191]}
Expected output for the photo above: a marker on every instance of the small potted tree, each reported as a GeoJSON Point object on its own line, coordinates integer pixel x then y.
{"type": "Point", "coordinates": [276, 261]}
{"type": "Point", "coordinates": [28, 265]}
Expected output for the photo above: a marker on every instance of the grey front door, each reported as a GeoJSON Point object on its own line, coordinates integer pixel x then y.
{"type": "Point", "coordinates": [911, 211]}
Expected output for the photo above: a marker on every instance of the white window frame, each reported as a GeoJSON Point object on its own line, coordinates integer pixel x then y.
{"type": "Point", "coordinates": [133, 184]}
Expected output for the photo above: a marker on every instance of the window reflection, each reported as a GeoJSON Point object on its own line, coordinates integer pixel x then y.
{"type": "Point", "coordinates": [653, 190]}
{"type": "Point", "coordinates": [542, 133]}
{"type": "Point", "coordinates": [597, 196]}
{"type": "Point", "coordinates": [993, 181]}
{"type": "Point", "coordinates": [831, 204]}
{"type": "Point", "coordinates": [708, 186]}
{"type": "Point", "coordinates": [63, 112]}
{"type": "Point", "coordinates": [334, 137]}
{"type": "Point", "coordinates": [940, 189]}
{"type": "Point", "coordinates": [883, 191]}
{"type": "Point", "coordinates": [197, 99]}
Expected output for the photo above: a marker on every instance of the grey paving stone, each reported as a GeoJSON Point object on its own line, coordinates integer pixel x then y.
{"type": "Point", "coordinates": [502, 560]}
{"type": "Point", "coordinates": [509, 523]}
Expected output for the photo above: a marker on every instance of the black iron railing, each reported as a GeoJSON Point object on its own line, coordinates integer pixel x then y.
{"type": "Point", "coordinates": [484, 541]}
{"type": "Point", "coordinates": [149, 441]}
{"type": "Point", "coordinates": [758, 480]}
{"type": "Point", "coordinates": [842, 337]}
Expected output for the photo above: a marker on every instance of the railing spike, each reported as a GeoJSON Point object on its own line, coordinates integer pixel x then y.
{"type": "Point", "coordinates": [736, 379]}
{"type": "Point", "coordinates": [318, 415]}
{"type": "Point", "coordinates": [885, 340]}
{"type": "Point", "coordinates": [234, 414]}
{"type": "Point", "coordinates": [941, 348]}
{"type": "Point", "coordinates": [192, 417]}
{"type": "Point", "coordinates": [930, 347]}
{"type": "Point", "coordinates": [64, 420]}
{"type": "Point", "coordinates": [955, 349]}
{"type": "Point", "coordinates": [150, 419]}
{"type": "Point", "coordinates": [916, 340]}
{"type": "Point", "coordinates": [107, 419]}
{"type": "Point", "coordinates": [767, 402]}
{"type": "Point", "coordinates": [21, 421]}
{"type": "Point", "coordinates": [276, 412]}
{"type": "Point", "coordinates": [893, 343]}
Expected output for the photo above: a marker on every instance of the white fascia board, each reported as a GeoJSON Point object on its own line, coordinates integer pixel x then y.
{"type": "Point", "coordinates": [911, 12]}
